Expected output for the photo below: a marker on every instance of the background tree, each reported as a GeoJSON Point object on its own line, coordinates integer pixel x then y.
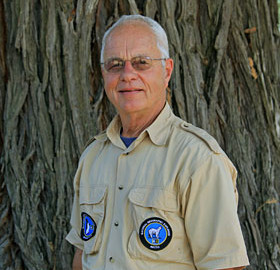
{"type": "Point", "coordinates": [226, 80]}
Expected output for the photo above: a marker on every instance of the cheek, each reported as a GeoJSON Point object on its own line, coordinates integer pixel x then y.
{"type": "Point", "coordinates": [110, 83]}
{"type": "Point", "coordinates": [156, 82]}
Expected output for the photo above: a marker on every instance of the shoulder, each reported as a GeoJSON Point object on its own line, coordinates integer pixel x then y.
{"type": "Point", "coordinates": [89, 142]}
{"type": "Point", "coordinates": [202, 137]}
{"type": "Point", "coordinates": [201, 147]}
{"type": "Point", "coordinates": [92, 143]}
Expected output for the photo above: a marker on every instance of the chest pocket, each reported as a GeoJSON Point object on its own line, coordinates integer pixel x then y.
{"type": "Point", "coordinates": [158, 203]}
{"type": "Point", "coordinates": [92, 205]}
{"type": "Point", "coordinates": [146, 201]}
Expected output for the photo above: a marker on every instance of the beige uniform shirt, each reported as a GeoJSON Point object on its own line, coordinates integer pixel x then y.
{"type": "Point", "coordinates": [168, 201]}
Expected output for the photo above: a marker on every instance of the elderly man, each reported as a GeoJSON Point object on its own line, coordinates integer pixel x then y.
{"type": "Point", "coordinates": [152, 191]}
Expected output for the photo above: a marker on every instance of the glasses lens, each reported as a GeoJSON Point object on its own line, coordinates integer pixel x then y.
{"type": "Point", "coordinates": [114, 65]}
{"type": "Point", "coordinates": [141, 62]}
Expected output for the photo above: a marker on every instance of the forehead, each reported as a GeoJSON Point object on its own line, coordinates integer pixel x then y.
{"type": "Point", "coordinates": [131, 39]}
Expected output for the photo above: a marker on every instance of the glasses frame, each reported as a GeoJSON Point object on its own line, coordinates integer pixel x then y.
{"type": "Point", "coordinates": [124, 61]}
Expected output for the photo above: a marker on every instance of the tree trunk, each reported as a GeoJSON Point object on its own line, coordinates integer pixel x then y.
{"type": "Point", "coordinates": [226, 80]}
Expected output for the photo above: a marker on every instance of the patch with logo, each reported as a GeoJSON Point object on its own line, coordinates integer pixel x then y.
{"type": "Point", "coordinates": [88, 227]}
{"type": "Point", "coordinates": [155, 233]}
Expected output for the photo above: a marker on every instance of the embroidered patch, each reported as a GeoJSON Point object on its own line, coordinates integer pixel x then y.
{"type": "Point", "coordinates": [155, 233]}
{"type": "Point", "coordinates": [88, 227]}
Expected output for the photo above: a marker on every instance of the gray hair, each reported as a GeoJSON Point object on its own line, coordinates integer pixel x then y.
{"type": "Point", "coordinates": [160, 35]}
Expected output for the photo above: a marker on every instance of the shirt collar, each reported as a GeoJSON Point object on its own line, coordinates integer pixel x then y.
{"type": "Point", "coordinates": [158, 131]}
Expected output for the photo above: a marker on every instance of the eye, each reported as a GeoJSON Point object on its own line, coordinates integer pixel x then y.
{"type": "Point", "coordinates": [141, 62]}
{"type": "Point", "coordinates": [113, 64]}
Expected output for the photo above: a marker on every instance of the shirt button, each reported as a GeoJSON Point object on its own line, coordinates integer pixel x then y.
{"type": "Point", "coordinates": [120, 187]}
{"type": "Point", "coordinates": [116, 223]}
{"type": "Point", "coordinates": [111, 259]}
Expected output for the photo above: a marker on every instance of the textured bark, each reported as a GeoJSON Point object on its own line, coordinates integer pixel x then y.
{"type": "Point", "coordinates": [226, 80]}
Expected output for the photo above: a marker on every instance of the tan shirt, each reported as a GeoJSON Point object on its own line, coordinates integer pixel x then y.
{"type": "Point", "coordinates": [166, 202]}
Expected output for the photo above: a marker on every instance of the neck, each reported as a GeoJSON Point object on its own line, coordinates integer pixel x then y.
{"type": "Point", "coordinates": [133, 124]}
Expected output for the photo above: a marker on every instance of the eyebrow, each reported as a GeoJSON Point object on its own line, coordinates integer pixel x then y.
{"type": "Point", "coordinates": [115, 57]}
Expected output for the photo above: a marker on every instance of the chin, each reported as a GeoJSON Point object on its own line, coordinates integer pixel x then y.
{"type": "Point", "coordinates": [130, 110]}
{"type": "Point", "coordinates": [132, 107]}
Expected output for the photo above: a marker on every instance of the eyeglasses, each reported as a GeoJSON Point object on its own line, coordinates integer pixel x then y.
{"type": "Point", "coordinates": [116, 65]}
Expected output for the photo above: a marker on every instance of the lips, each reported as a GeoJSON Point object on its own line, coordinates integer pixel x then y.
{"type": "Point", "coordinates": [130, 90]}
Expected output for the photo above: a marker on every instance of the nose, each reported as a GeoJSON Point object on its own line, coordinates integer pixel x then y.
{"type": "Point", "coordinates": [128, 73]}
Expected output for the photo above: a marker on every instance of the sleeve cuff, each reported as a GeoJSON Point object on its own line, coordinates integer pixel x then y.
{"type": "Point", "coordinates": [231, 261]}
{"type": "Point", "coordinates": [74, 239]}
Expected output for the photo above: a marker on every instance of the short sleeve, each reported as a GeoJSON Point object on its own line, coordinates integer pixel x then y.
{"type": "Point", "coordinates": [73, 236]}
{"type": "Point", "coordinates": [211, 219]}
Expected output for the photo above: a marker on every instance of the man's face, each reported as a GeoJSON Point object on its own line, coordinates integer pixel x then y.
{"type": "Point", "coordinates": [132, 91]}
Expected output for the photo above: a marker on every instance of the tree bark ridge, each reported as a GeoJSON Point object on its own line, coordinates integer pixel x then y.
{"type": "Point", "coordinates": [226, 80]}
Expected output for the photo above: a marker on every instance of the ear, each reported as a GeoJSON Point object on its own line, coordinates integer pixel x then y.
{"type": "Point", "coordinates": [168, 70]}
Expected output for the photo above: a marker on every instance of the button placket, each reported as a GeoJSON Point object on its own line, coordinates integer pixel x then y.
{"type": "Point", "coordinates": [119, 197]}
{"type": "Point", "coordinates": [120, 187]}
{"type": "Point", "coordinates": [115, 225]}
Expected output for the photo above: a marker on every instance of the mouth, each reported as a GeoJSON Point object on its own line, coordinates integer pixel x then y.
{"type": "Point", "coordinates": [130, 90]}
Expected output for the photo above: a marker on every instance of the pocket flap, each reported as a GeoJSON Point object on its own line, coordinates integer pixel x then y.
{"type": "Point", "coordinates": [154, 197]}
{"type": "Point", "coordinates": [92, 195]}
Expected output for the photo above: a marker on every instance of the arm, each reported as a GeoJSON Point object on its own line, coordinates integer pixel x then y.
{"type": "Point", "coordinates": [211, 219]}
{"type": "Point", "coordinates": [77, 261]}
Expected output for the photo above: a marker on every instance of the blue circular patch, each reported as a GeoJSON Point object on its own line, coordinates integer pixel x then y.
{"type": "Point", "coordinates": [155, 233]}
{"type": "Point", "coordinates": [88, 227]}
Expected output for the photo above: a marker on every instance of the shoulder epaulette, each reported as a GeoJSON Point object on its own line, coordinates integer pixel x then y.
{"type": "Point", "coordinates": [203, 135]}
{"type": "Point", "coordinates": [99, 137]}
{"type": "Point", "coordinates": [88, 143]}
